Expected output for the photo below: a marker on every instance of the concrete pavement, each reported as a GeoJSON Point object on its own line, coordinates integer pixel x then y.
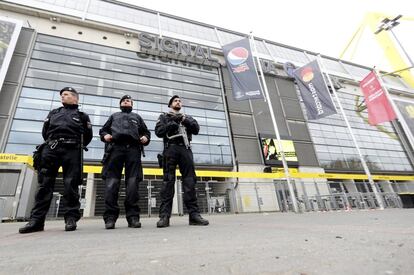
{"type": "Point", "coordinates": [355, 242]}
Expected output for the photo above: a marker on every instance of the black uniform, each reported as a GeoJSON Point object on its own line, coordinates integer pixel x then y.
{"type": "Point", "coordinates": [126, 129]}
{"type": "Point", "coordinates": [175, 152]}
{"type": "Point", "coordinates": [62, 132]}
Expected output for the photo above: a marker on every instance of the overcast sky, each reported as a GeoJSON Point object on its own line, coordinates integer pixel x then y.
{"type": "Point", "coordinates": [321, 26]}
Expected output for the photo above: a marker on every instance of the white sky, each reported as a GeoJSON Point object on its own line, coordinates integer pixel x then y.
{"type": "Point", "coordinates": [322, 26]}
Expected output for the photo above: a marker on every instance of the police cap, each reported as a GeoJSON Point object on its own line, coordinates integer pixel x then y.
{"type": "Point", "coordinates": [124, 97]}
{"type": "Point", "coordinates": [172, 99]}
{"type": "Point", "coordinates": [69, 89]}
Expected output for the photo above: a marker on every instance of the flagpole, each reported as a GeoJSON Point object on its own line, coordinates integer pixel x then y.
{"type": "Point", "coordinates": [364, 164]}
{"type": "Point", "coordinates": [279, 143]}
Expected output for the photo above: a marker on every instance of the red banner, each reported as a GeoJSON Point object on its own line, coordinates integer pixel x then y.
{"type": "Point", "coordinates": [379, 108]}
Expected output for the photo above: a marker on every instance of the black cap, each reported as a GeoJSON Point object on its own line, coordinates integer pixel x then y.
{"type": "Point", "coordinates": [172, 99]}
{"type": "Point", "coordinates": [69, 89]}
{"type": "Point", "coordinates": [124, 97]}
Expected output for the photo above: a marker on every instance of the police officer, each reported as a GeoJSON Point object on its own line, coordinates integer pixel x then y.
{"type": "Point", "coordinates": [124, 133]}
{"type": "Point", "coordinates": [177, 152]}
{"type": "Point", "coordinates": [64, 130]}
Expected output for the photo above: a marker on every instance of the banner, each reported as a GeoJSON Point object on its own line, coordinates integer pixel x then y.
{"type": "Point", "coordinates": [9, 32]}
{"type": "Point", "coordinates": [243, 75]}
{"type": "Point", "coordinates": [379, 108]}
{"type": "Point", "coordinates": [315, 94]}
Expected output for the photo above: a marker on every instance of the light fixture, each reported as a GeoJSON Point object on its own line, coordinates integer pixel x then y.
{"type": "Point", "coordinates": [387, 24]}
{"type": "Point", "coordinates": [54, 19]}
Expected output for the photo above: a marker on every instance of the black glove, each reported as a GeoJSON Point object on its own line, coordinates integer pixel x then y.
{"type": "Point", "coordinates": [178, 118]}
{"type": "Point", "coordinates": [172, 127]}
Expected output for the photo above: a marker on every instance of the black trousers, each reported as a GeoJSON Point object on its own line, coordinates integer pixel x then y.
{"type": "Point", "coordinates": [67, 156]}
{"type": "Point", "coordinates": [121, 155]}
{"type": "Point", "coordinates": [173, 155]}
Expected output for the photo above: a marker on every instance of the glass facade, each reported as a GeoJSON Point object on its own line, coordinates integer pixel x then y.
{"type": "Point", "coordinates": [102, 75]}
{"type": "Point", "coordinates": [79, 5]}
{"type": "Point", "coordinates": [380, 145]}
{"type": "Point", "coordinates": [185, 28]}
{"type": "Point", "coordinates": [123, 13]}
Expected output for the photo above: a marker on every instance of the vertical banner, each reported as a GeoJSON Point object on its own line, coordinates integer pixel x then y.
{"type": "Point", "coordinates": [9, 32]}
{"type": "Point", "coordinates": [243, 76]}
{"type": "Point", "coordinates": [315, 94]}
{"type": "Point", "coordinates": [379, 108]}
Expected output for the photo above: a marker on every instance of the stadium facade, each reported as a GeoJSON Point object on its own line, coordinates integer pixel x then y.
{"type": "Point", "coordinates": [105, 49]}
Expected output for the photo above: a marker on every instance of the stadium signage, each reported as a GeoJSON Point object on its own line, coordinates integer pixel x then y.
{"type": "Point", "coordinates": [150, 42]}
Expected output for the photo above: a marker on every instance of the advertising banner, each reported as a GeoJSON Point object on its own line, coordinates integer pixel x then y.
{"type": "Point", "coordinates": [243, 74]}
{"type": "Point", "coordinates": [315, 94]}
{"type": "Point", "coordinates": [272, 155]}
{"type": "Point", "coordinates": [379, 108]}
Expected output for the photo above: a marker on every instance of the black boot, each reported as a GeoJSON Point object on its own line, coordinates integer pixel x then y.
{"type": "Point", "coordinates": [32, 226]}
{"type": "Point", "coordinates": [196, 219]}
{"type": "Point", "coordinates": [163, 222]}
{"type": "Point", "coordinates": [110, 223]}
{"type": "Point", "coordinates": [70, 224]}
{"type": "Point", "coordinates": [134, 222]}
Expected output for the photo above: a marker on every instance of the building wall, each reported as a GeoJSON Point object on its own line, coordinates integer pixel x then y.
{"type": "Point", "coordinates": [12, 83]}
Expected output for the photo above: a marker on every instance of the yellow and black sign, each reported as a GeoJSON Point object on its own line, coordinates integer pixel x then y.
{"type": "Point", "coordinates": [271, 154]}
{"type": "Point", "coordinates": [16, 158]}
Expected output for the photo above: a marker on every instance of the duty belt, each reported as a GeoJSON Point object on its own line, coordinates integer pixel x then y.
{"type": "Point", "coordinates": [54, 142]}
{"type": "Point", "coordinates": [175, 143]}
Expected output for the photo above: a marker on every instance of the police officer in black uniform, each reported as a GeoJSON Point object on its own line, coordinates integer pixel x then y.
{"type": "Point", "coordinates": [64, 130]}
{"type": "Point", "coordinates": [125, 134]}
{"type": "Point", "coordinates": [176, 152]}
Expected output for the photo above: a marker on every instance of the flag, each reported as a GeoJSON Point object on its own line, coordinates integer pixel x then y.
{"type": "Point", "coordinates": [315, 94]}
{"type": "Point", "coordinates": [379, 108]}
{"type": "Point", "coordinates": [243, 75]}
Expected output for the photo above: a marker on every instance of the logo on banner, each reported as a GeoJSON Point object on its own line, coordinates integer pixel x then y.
{"type": "Point", "coordinates": [238, 56]}
{"type": "Point", "coordinates": [307, 74]}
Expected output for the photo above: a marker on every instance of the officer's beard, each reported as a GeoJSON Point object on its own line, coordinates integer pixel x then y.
{"type": "Point", "coordinates": [176, 109]}
{"type": "Point", "coordinates": [126, 109]}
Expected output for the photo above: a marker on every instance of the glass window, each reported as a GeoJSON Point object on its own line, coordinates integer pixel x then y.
{"type": "Point", "coordinates": [31, 114]}
{"type": "Point", "coordinates": [287, 54]}
{"type": "Point", "coordinates": [25, 138]}
{"type": "Point", "coordinates": [102, 75]}
{"type": "Point", "coordinates": [227, 37]}
{"type": "Point", "coordinates": [380, 145]}
{"type": "Point", "coordinates": [189, 29]}
{"type": "Point", "coordinates": [23, 149]}
{"type": "Point", "coordinates": [123, 13]}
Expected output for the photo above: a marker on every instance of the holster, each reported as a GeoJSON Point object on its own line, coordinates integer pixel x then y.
{"type": "Point", "coordinates": [160, 158]}
{"type": "Point", "coordinates": [108, 150]}
{"type": "Point", "coordinates": [37, 156]}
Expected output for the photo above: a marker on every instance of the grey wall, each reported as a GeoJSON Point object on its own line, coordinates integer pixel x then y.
{"type": "Point", "coordinates": [12, 83]}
